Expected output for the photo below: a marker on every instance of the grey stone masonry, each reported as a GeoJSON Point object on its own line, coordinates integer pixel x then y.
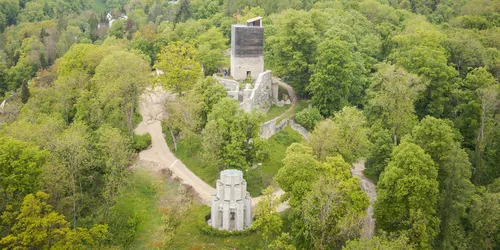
{"type": "Point", "coordinates": [231, 204]}
{"type": "Point", "coordinates": [247, 49]}
{"type": "Point", "coordinates": [263, 95]}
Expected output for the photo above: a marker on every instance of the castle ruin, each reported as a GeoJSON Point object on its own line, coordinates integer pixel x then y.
{"type": "Point", "coordinates": [247, 64]}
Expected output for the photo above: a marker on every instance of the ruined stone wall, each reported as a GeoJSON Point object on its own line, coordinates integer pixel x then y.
{"type": "Point", "coordinates": [262, 94]}
{"type": "Point", "coordinates": [232, 87]}
{"type": "Point", "coordinates": [270, 128]}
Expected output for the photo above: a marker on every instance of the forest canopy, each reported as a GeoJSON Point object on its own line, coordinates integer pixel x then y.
{"type": "Point", "coordinates": [410, 86]}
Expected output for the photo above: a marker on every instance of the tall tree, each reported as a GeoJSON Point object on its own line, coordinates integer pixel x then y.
{"type": "Point", "coordinates": [291, 48]}
{"type": "Point", "coordinates": [231, 136]}
{"type": "Point", "coordinates": [439, 140]}
{"type": "Point", "coordinates": [184, 116]}
{"type": "Point", "coordinates": [485, 221]}
{"type": "Point", "coordinates": [407, 194]}
{"type": "Point", "coordinates": [114, 153]}
{"type": "Point", "coordinates": [211, 46]}
{"type": "Point", "coordinates": [38, 226]}
{"type": "Point", "coordinates": [346, 134]}
{"type": "Point", "coordinates": [25, 92]}
{"type": "Point", "coordinates": [72, 149]}
{"type": "Point", "coordinates": [419, 50]}
{"type": "Point", "coordinates": [180, 66]}
{"type": "Point", "coordinates": [298, 172]}
{"type": "Point", "coordinates": [268, 220]}
{"type": "Point", "coordinates": [211, 92]}
{"type": "Point", "coordinates": [20, 167]}
{"type": "Point", "coordinates": [392, 97]}
{"type": "Point", "coordinates": [339, 77]}
{"type": "Point", "coordinates": [119, 80]}
{"type": "Point", "coordinates": [332, 211]}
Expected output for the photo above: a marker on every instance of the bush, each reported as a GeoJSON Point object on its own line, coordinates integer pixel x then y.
{"type": "Point", "coordinates": [141, 142]}
{"type": "Point", "coordinates": [308, 118]}
{"type": "Point", "coordinates": [210, 231]}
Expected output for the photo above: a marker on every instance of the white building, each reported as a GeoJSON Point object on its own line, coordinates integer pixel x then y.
{"type": "Point", "coordinates": [231, 204]}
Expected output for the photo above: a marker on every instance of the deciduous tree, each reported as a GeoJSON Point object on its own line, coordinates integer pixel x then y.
{"type": "Point", "coordinates": [180, 66]}
{"type": "Point", "coordinates": [20, 167]}
{"type": "Point", "coordinates": [268, 220]}
{"type": "Point", "coordinates": [338, 78]}
{"type": "Point", "coordinates": [346, 134]}
{"type": "Point", "coordinates": [392, 94]}
{"type": "Point", "coordinates": [407, 194]}
{"type": "Point", "coordinates": [231, 136]}
{"type": "Point", "coordinates": [36, 225]}
{"type": "Point", "coordinates": [439, 140]}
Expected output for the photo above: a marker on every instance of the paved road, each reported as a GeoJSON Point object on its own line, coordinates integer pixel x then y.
{"type": "Point", "coordinates": [151, 108]}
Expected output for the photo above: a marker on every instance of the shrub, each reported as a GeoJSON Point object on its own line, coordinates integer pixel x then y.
{"type": "Point", "coordinates": [308, 118]}
{"type": "Point", "coordinates": [141, 142]}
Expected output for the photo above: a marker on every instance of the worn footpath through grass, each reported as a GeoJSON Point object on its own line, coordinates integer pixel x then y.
{"type": "Point", "coordinates": [257, 179]}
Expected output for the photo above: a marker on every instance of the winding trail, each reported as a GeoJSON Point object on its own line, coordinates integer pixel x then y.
{"type": "Point", "coordinates": [369, 188]}
{"type": "Point", "coordinates": [151, 108]}
{"type": "Point", "coordinates": [291, 92]}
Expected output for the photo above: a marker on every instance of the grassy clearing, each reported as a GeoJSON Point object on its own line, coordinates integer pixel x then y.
{"type": "Point", "coordinates": [135, 220]}
{"type": "Point", "coordinates": [301, 105]}
{"type": "Point", "coordinates": [269, 168]}
{"type": "Point", "coordinates": [189, 236]}
{"type": "Point", "coordinates": [147, 198]}
{"type": "Point", "coordinates": [257, 179]}
{"type": "Point", "coordinates": [99, 6]}
{"type": "Point", "coordinates": [275, 111]}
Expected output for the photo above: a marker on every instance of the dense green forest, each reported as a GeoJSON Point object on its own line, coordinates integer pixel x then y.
{"type": "Point", "coordinates": [409, 86]}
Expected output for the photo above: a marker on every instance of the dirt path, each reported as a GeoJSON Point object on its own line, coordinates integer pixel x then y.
{"type": "Point", "coordinates": [151, 108]}
{"type": "Point", "coordinates": [291, 92]}
{"type": "Point", "coordinates": [368, 229]}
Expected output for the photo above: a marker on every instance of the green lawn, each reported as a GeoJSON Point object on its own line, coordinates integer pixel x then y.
{"type": "Point", "coordinates": [99, 6]}
{"type": "Point", "coordinates": [147, 197]}
{"type": "Point", "coordinates": [189, 236]}
{"type": "Point", "coordinates": [135, 221]}
{"type": "Point", "coordinates": [275, 111]}
{"type": "Point", "coordinates": [301, 105]}
{"type": "Point", "coordinates": [277, 145]}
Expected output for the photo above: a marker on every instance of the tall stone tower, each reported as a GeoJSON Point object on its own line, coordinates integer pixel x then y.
{"type": "Point", "coordinates": [231, 205]}
{"type": "Point", "coordinates": [247, 49]}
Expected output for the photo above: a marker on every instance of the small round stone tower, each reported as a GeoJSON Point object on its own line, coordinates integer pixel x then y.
{"type": "Point", "coordinates": [231, 204]}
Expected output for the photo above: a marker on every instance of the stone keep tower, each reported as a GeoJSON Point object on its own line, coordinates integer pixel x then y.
{"type": "Point", "coordinates": [247, 49]}
{"type": "Point", "coordinates": [231, 205]}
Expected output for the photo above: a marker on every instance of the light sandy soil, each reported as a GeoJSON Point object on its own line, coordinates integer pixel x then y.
{"type": "Point", "coordinates": [368, 229]}
{"type": "Point", "coordinates": [151, 107]}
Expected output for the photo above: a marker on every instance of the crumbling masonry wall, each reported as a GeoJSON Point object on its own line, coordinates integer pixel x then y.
{"type": "Point", "coordinates": [263, 95]}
